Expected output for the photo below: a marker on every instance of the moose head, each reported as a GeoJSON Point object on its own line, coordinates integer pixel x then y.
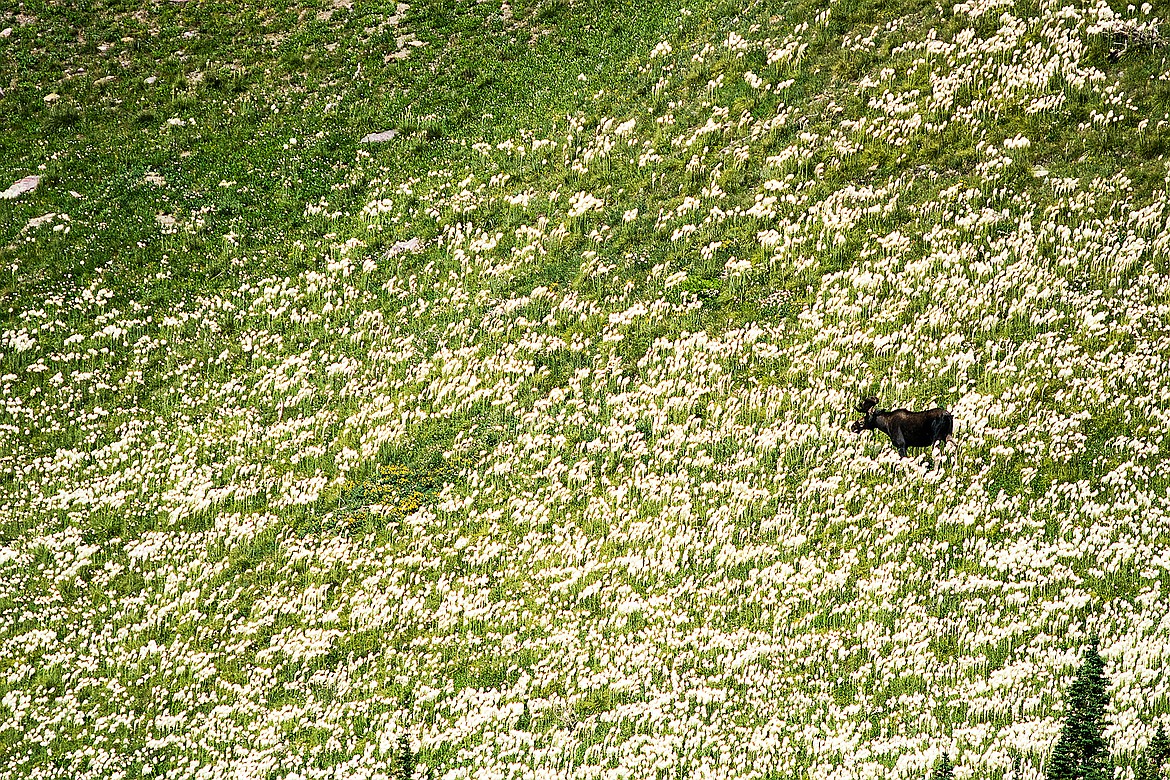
{"type": "Point", "coordinates": [865, 408]}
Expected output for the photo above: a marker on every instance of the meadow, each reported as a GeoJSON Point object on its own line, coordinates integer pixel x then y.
{"type": "Point", "coordinates": [518, 446]}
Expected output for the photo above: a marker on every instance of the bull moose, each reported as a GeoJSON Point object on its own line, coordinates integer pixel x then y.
{"type": "Point", "coordinates": [905, 428]}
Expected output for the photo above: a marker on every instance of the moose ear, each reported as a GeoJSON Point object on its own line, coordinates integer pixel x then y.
{"type": "Point", "coordinates": [867, 404]}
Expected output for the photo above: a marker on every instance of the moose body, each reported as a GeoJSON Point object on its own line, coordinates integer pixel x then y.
{"type": "Point", "coordinates": [905, 428]}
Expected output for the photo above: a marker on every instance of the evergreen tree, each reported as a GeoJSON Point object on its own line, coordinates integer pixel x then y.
{"type": "Point", "coordinates": [943, 769]}
{"type": "Point", "coordinates": [1151, 763]}
{"type": "Point", "coordinates": [1081, 753]}
{"type": "Point", "coordinates": [1159, 749]}
{"type": "Point", "coordinates": [524, 722]}
{"type": "Point", "coordinates": [406, 759]}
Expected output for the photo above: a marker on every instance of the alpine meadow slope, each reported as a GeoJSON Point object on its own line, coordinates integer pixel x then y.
{"type": "Point", "coordinates": [518, 446]}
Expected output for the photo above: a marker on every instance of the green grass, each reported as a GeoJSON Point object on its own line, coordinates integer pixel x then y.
{"type": "Point", "coordinates": [620, 521]}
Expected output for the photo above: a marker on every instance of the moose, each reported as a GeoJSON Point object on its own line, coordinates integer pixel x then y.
{"type": "Point", "coordinates": [905, 428]}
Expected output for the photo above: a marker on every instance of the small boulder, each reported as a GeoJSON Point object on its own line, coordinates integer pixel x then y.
{"type": "Point", "coordinates": [374, 138]}
{"type": "Point", "coordinates": [413, 245]}
{"type": "Point", "coordinates": [27, 184]}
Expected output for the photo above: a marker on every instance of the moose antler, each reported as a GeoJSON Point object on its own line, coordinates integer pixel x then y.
{"type": "Point", "coordinates": [867, 404]}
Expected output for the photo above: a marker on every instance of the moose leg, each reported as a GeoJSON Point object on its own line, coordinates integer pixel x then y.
{"type": "Point", "coordinates": [899, 442]}
{"type": "Point", "coordinates": [942, 443]}
{"type": "Point", "coordinates": [945, 430]}
{"type": "Point", "coordinates": [936, 434]}
{"type": "Point", "coordinates": [941, 430]}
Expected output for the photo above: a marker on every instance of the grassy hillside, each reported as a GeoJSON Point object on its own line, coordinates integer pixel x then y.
{"type": "Point", "coordinates": [517, 446]}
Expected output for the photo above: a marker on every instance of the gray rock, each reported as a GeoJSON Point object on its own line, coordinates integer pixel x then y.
{"type": "Point", "coordinates": [27, 184]}
{"type": "Point", "coordinates": [413, 245]}
{"type": "Point", "coordinates": [374, 138]}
